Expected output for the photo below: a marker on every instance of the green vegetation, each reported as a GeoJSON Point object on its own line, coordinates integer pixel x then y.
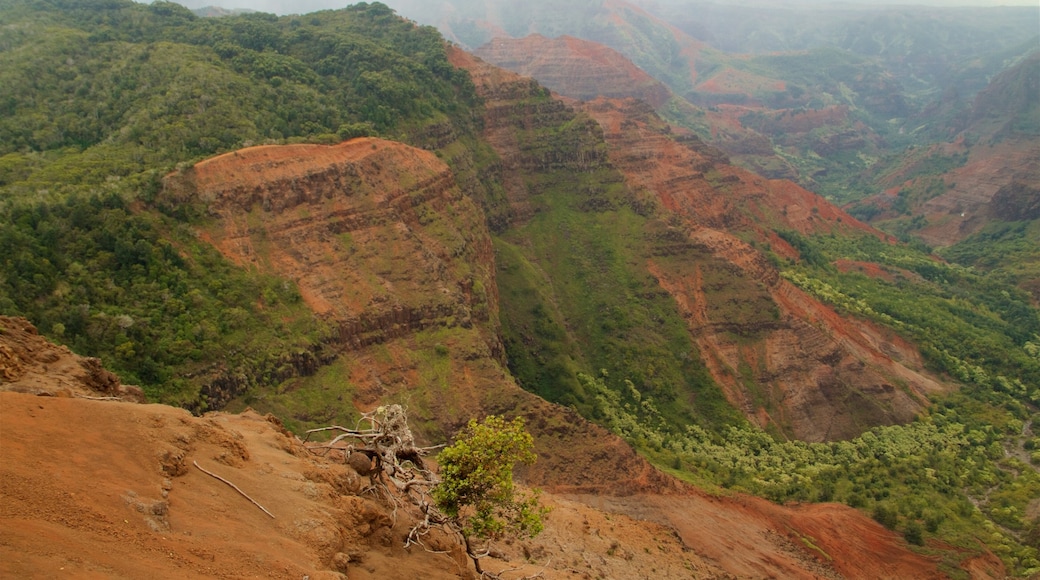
{"type": "Point", "coordinates": [945, 475]}
{"type": "Point", "coordinates": [964, 472]}
{"type": "Point", "coordinates": [476, 491]}
{"type": "Point", "coordinates": [140, 292]}
{"type": "Point", "coordinates": [112, 95]}
{"type": "Point", "coordinates": [969, 457]}
{"type": "Point", "coordinates": [477, 474]}
{"type": "Point", "coordinates": [976, 328]}
{"type": "Point", "coordinates": [1005, 251]}
{"type": "Point", "coordinates": [576, 295]}
{"type": "Point", "coordinates": [153, 85]}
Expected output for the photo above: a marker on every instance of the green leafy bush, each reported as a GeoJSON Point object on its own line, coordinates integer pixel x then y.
{"type": "Point", "coordinates": [477, 488]}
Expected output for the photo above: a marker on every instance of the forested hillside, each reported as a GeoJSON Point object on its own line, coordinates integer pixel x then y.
{"type": "Point", "coordinates": [103, 98]}
{"type": "Point", "coordinates": [487, 235]}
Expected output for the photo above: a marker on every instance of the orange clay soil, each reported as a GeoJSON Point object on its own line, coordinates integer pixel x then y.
{"type": "Point", "coordinates": [100, 489]}
{"type": "Point", "coordinates": [105, 489]}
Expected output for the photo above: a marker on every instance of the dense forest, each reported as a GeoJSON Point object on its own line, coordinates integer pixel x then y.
{"type": "Point", "coordinates": [99, 99]}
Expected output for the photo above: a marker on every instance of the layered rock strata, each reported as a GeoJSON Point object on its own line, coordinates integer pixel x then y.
{"type": "Point", "coordinates": [813, 373]}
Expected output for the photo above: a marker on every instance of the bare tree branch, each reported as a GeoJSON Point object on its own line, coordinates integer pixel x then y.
{"type": "Point", "coordinates": [233, 486]}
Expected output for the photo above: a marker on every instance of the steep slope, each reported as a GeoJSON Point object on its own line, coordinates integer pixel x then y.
{"type": "Point", "coordinates": [999, 147]}
{"type": "Point", "coordinates": [397, 263]}
{"type": "Point", "coordinates": [107, 489]}
{"type": "Point", "coordinates": [353, 224]}
{"type": "Point", "coordinates": [576, 298]}
{"type": "Point", "coordinates": [31, 364]}
{"type": "Point", "coordinates": [835, 94]}
{"type": "Point", "coordinates": [974, 196]}
{"type": "Point", "coordinates": [100, 490]}
{"type": "Point", "coordinates": [651, 43]}
{"type": "Point", "coordinates": [782, 358]}
{"type": "Point", "coordinates": [574, 67]}
{"type": "Point", "coordinates": [809, 371]}
{"type": "Point", "coordinates": [143, 88]}
{"type": "Point", "coordinates": [105, 256]}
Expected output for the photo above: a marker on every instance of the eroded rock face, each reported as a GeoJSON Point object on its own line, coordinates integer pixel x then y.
{"type": "Point", "coordinates": [818, 376]}
{"type": "Point", "coordinates": [376, 234]}
{"type": "Point", "coordinates": [999, 180]}
{"type": "Point", "coordinates": [386, 248]}
{"type": "Point", "coordinates": [574, 67]}
{"type": "Point", "coordinates": [29, 363]}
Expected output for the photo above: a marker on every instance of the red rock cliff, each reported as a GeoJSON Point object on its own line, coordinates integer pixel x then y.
{"type": "Point", "coordinates": [817, 375]}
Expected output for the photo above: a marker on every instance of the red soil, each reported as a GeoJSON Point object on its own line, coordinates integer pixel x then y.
{"type": "Point", "coordinates": [868, 268]}
{"type": "Point", "coordinates": [92, 489]}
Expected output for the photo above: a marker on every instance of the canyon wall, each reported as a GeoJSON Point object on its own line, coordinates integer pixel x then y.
{"type": "Point", "coordinates": [807, 370]}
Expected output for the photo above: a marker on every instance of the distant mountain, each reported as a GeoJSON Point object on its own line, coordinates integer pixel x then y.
{"type": "Point", "coordinates": [575, 68]}
{"type": "Point", "coordinates": [865, 81]}
{"type": "Point", "coordinates": [217, 11]}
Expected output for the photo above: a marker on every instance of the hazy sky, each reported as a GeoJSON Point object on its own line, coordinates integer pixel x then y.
{"type": "Point", "coordinates": [304, 6]}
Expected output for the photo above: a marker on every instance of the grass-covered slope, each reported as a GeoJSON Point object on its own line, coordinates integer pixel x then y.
{"type": "Point", "coordinates": [576, 295]}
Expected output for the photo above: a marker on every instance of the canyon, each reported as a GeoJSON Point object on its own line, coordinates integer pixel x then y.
{"type": "Point", "coordinates": [379, 217]}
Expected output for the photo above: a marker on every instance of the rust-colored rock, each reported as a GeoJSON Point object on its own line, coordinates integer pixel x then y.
{"type": "Point", "coordinates": [32, 364]}
{"type": "Point", "coordinates": [573, 67]}
{"type": "Point", "coordinates": [376, 234]}
{"type": "Point", "coordinates": [820, 376]}
{"type": "Point", "coordinates": [386, 248]}
{"type": "Point", "coordinates": [86, 490]}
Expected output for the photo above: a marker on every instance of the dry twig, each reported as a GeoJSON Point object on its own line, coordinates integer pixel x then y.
{"type": "Point", "coordinates": [233, 486]}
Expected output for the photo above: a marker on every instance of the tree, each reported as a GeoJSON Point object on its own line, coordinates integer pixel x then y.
{"type": "Point", "coordinates": [914, 534]}
{"type": "Point", "coordinates": [476, 492]}
{"type": "Point", "coordinates": [472, 496]}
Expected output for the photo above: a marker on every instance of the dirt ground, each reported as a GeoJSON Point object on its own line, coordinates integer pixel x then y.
{"type": "Point", "coordinates": [102, 489]}
{"type": "Point", "coordinates": [94, 487]}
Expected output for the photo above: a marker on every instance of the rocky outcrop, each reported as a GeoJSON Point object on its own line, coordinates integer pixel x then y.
{"type": "Point", "coordinates": [575, 68]}
{"type": "Point", "coordinates": [377, 236]}
{"type": "Point", "coordinates": [812, 373]}
{"type": "Point", "coordinates": [397, 262]}
{"type": "Point", "coordinates": [29, 363]}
